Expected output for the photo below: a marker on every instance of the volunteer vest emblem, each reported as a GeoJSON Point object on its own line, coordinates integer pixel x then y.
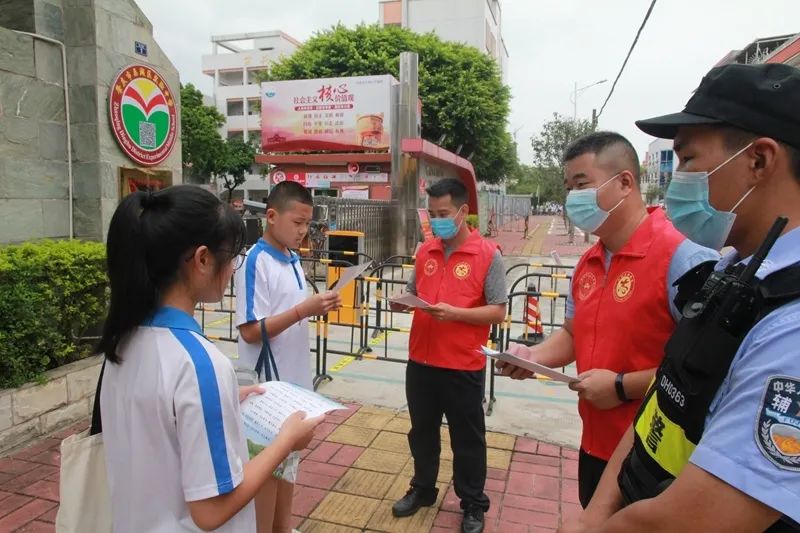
{"type": "Point", "coordinates": [586, 285]}
{"type": "Point", "coordinates": [430, 267]}
{"type": "Point", "coordinates": [142, 112]}
{"type": "Point", "coordinates": [778, 424]}
{"type": "Point", "coordinates": [623, 287]}
{"type": "Point", "coordinates": [461, 270]}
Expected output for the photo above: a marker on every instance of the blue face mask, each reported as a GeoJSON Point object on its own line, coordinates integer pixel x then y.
{"type": "Point", "coordinates": [583, 210]}
{"type": "Point", "coordinates": [691, 212]}
{"type": "Point", "coordinates": [446, 228]}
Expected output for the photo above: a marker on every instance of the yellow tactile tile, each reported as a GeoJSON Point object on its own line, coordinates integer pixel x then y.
{"type": "Point", "coordinates": [345, 509]}
{"type": "Point", "coordinates": [500, 440]}
{"type": "Point", "coordinates": [368, 420]}
{"type": "Point", "coordinates": [353, 435]}
{"type": "Point", "coordinates": [373, 410]}
{"type": "Point", "coordinates": [316, 526]}
{"type": "Point", "coordinates": [445, 471]}
{"type": "Point", "coordinates": [391, 442]}
{"type": "Point", "coordinates": [498, 458]}
{"type": "Point", "coordinates": [401, 485]}
{"type": "Point", "coordinates": [365, 483]}
{"type": "Point", "coordinates": [381, 461]}
{"type": "Point", "coordinates": [398, 425]}
{"type": "Point", "coordinates": [383, 520]}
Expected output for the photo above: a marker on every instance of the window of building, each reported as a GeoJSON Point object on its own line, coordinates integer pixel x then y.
{"type": "Point", "coordinates": [253, 107]}
{"type": "Point", "coordinates": [254, 75]}
{"type": "Point", "coordinates": [491, 41]}
{"type": "Point", "coordinates": [254, 137]}
{"type": "Point", "coordinates": [236, 135]}
{"type": "Point", "coordinates": [236, 108]}
{"type": "Point", "coordinates": [231, 78]}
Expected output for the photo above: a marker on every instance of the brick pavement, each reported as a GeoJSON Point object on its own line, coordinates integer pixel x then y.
{"type": "Point", "coordinates": [349, 477]}
{"type": "Point", "coordinates": [545, 234]}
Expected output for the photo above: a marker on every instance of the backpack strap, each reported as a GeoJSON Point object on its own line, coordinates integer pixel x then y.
{"type": "Point", "coordinates": [779, 288]}
{"type": "Point", "coordinates": [97, 423]}
{"type": "Point", "coordinates": [266, 360]}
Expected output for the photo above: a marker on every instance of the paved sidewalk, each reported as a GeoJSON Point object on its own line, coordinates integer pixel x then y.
{"type": "Point", "coordinates": [545, 234]}
{"type": "Point", "coordinates": [349, 478]}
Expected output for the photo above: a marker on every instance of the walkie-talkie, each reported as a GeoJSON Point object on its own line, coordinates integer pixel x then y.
{"type": "Point", "coordinates": [730, 293]}
{"type": "Point", "coordinates": [715, 322]}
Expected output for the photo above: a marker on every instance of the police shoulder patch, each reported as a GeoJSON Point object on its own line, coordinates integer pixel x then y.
{"type": "Point", "coordinates": [778, 424]}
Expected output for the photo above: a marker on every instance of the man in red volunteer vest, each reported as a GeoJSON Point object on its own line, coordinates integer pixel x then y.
{"type": "Point", "coordinates": [463, 278]}
{"type": "Point", "coordinates": [620, 309]}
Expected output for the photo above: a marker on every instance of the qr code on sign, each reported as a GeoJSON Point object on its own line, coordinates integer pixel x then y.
{"type": "Point", "coordinates": [147, 134]}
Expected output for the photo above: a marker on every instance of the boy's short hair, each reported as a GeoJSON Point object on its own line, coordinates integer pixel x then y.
{"type": "Point", "coordinates": [449, 186]}
{"type": "Point", "coordinates": [283, 194]}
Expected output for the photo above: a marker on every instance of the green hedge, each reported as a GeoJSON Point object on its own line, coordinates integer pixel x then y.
{"type": "Point", "coordinates": [51, 294]}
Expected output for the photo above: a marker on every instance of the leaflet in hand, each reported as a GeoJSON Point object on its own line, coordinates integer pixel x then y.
{"type": "Point", "coordinates": [410, 300]}
{"type": "Point", "coordinates": [349, 274]}
{"type": "Point", "coordinates": [263, 414]}
{"type": "Point", "coordinates": [529, 365]}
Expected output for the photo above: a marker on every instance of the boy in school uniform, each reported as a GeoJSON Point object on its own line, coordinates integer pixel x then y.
{"type": "Point", "coordinates": [272, 301]}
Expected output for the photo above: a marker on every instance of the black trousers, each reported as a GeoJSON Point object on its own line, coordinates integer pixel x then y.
{"type": "Point", "coordinates": [458, 394]}
{"type": "Point", "coordinates": [590, 470]}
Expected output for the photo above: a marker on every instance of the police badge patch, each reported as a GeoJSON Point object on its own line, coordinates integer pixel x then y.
{"type": "Point", "coordinates": [778, 424]}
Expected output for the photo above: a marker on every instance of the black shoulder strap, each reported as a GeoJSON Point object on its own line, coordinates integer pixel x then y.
{"type": "Point", "coordinates": [97, 423]}
{"type": "Point", "coordinates": [266, 360]}
{"type": "Point", "coordinates": [690, 283]}
{"type": "Point", "coordinates": [779, 288]}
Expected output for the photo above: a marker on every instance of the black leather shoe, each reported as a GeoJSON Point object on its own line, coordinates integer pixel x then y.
{"type": "Point", "coordinates": [473, 521]}
{"type": "Point", "coordinates": [413, 500]}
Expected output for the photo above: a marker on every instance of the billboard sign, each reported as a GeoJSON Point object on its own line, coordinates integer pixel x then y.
{"type": "Point", "coordinates": [334, 114]}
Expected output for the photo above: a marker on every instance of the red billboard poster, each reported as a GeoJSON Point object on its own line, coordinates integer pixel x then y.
{"type": "Point", "coordinates": [425, 224]}
{"type": "Point", "coordinates": [336, 114]}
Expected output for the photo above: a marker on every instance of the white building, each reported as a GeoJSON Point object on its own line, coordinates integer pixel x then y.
{"type": "Point", "coordinates": [235, 64]}
{"type": "Point", "coordinates": [660, 163]}
{"type": "Point", "coordinates": [474, 22]}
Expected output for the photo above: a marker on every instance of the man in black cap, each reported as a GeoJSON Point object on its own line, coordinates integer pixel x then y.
{"type": "Point", "coordinates": [715, 445]}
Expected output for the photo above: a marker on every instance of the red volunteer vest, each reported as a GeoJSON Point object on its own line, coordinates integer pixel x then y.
{"type": "Point", "coordinates": [460, 283]}
{"type": "Point", "coordinates": [622, 320]}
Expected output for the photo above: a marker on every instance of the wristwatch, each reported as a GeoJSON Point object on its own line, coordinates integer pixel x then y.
{"type": "Point", "coordinates": [620, 387]}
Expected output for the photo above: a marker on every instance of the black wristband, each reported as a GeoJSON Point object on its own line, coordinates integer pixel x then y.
{"type": "Point", "coordinates": [620, 387]}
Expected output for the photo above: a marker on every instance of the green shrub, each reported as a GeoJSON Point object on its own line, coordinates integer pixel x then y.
{"type": "Point", "coordinates": [472, 221]}
{"type": "Point", "coordinates": [52, 293]}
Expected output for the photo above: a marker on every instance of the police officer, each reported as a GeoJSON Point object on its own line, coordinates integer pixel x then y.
{"type": "Point", "coordinates": [716, 444]}
{"type": "Point", "coordinates": [619, 311]}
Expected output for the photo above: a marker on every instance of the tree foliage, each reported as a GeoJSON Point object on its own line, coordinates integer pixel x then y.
{"type": "Point", "coordinates": [202, 146]}
{"type": "Point", "coordinates": [205, 152]}
{"type": "Point", "coordinates": [548, 149]}
{"type": "Point", "coordinates": [464, 101]}
{"type": "Point", "coordinates": [237, 160]}
{"type": "Point", "coordinates": [531, 180]}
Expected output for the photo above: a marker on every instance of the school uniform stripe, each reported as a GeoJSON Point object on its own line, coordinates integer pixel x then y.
{"type": "Point", "coordinates": [250, 282]}
{"type": "Point", "coordinates": [212, 407]}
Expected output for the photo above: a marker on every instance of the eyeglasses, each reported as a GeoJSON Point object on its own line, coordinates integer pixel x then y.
{"type": "Point", "coordinates": [238, 261]}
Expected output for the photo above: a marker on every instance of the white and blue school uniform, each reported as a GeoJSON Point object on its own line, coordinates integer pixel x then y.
{"type": "Point", "coordinates": [269, 283]}
{"type": "Point", "coordinates": [171, 427]}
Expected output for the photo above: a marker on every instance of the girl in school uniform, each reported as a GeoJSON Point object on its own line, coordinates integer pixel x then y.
{"type": "Point", "coordinates": [176, 454]}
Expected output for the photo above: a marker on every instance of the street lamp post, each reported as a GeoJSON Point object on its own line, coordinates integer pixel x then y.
{"type": "Point", "coordinates": [574, 96]}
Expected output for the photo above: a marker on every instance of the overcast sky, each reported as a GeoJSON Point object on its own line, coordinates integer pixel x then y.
{"type": "Point", "coordinates": [552, 44]}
